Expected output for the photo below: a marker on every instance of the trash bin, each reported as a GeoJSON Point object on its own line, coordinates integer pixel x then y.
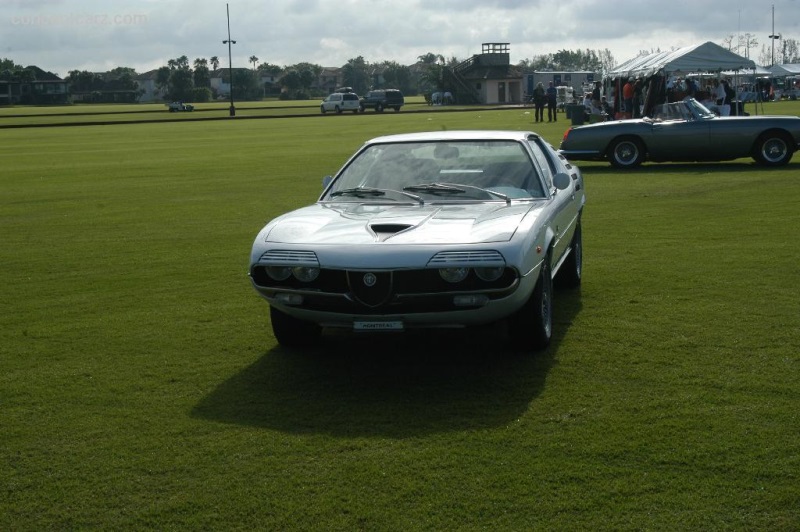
{"type": "Point", "coordinates": [577, 113]}
{"type": "Point", "coordinates": [568, 111]}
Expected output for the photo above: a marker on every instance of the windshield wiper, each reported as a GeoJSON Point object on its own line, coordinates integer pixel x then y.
{"type": "Point", "coordinates": [435, 188]}
{"type": "Point", "coordinates": [448, 188]}
{"type": "Point", "coordinates": [367, 192]}
{"type": "Point", "coordinates": [359, 192]}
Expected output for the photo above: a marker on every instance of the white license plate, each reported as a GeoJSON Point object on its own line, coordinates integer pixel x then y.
{"type": "Point", "coordinates": [378, 326]}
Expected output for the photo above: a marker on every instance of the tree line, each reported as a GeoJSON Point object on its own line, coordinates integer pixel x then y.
{"type": "Point", "coordinates": [181, 80]}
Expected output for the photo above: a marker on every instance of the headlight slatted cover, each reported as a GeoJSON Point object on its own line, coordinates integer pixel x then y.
{"type": "Point", "coordinates": [467, 258]}
{"type": "Point", "coordinates": [282, 257]}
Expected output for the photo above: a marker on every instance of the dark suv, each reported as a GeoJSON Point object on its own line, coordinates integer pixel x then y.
{"type": "Point", "coordinates": [381, 99]}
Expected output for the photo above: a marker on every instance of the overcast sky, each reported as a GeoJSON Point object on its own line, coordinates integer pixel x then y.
{"type": "Point", "coordinates": [64, 35]}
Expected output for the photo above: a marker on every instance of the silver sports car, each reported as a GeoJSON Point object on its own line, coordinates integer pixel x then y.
{"type": "Point", "coordinates": [685, 131]}
{"type": "Point", "coordinates": [428, 230]}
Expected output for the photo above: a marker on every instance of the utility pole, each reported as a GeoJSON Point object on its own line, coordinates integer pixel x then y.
{"type": "Point", "coordinates": [773, 36]}
{"type": "Point", "coordinates": [229, 42]}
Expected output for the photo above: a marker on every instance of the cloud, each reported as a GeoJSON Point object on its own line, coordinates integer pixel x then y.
{"type": "Point", "coordinates": [90, 34]}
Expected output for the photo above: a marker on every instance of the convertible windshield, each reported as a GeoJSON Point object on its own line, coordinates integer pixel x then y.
{"type": "Point", "coordinates": [463, 170]}
{"type": "Point", "coordinates": [688, 109]}
{"type": "Point", "coordinates": [699, 109]}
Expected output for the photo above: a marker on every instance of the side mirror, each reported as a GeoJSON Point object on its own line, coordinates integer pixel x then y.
{"type": "Point", "coordinates": [562, 181]}
{"type": "Point", "coordinates": [326, 181]}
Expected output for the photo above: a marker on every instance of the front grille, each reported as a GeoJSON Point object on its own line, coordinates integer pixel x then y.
{"type": "Point", "coordinates": [396, 292]}
{"type": "Point", "coordinates": [369, 288]}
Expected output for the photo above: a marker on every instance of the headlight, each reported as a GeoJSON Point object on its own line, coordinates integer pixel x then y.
{"type": "Point", "coordinates": [279, 273]}
{"type": "Point", "coordinates": [305, 274]}
{"type": "Point", "coordinates": [453, 275]}
{"type": "Point", "coordinates": [489, 274]}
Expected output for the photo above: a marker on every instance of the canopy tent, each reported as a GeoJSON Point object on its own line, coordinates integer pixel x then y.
{"type": "Point", "coordinates": [786, 70]}
{"type": "Point", "coordinates": [755, 71]}
{"type": "Point", "coordinates": [706, 57]}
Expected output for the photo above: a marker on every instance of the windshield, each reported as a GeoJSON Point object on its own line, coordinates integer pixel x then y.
{"type": "Point", "coordinates": [688, 109]}
{"type": "Point", "coordinates": [439, 171]}
{"type": "Point", "coordinates": [699, 110]}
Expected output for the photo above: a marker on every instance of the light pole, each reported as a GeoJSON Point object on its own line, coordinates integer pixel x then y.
{"type": "Point", "coordinates": [773, 36]}
{"type": "Point", "coordinates": [229, 42]}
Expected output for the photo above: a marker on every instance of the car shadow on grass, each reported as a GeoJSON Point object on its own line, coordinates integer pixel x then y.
{"type": "Point", "coordinates": [687, 168]}
{"type": "Point", "coordinates": [391, 385]}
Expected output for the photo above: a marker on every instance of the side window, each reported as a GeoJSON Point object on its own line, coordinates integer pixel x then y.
{"type": "Point", "coordinates": [545, 163]}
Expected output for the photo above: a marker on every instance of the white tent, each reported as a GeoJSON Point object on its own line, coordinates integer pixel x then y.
{"type": "Point", "coordinates": [706, 57]}
{"type": "Point", "coordinates": [786, 70]}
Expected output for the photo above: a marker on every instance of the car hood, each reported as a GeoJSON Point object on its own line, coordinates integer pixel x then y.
{"type": "Point", "coordinates": [394, 224]}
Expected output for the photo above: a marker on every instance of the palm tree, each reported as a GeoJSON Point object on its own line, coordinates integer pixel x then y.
{"type": "Point", "coordinates": [254, 60]}
{"type": "Point", "coordinates": [214, 61]}
{"type": "Point", "coordinates": [431, 59]}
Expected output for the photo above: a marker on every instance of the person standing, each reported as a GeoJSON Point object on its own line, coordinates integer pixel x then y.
{"type": "Point", "coordinates": [723, 98]}
{"type": "Point", "coordinates": [552, 99]}
{"type": "Point", "coordinates": [627, 98]}
{"type": "Point", "coordinates": [636, 102]}
{"type": "Point", "coordinates": [538, 102]}
{"type": "Point", "coordinates": [596, 94]}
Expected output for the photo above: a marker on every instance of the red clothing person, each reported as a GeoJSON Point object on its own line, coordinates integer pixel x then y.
{"type": "Point", "coordinates": [627, 98]}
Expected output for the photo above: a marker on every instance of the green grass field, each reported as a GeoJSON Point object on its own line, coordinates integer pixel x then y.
{"type": "Point", "coordinates": [141, 388]}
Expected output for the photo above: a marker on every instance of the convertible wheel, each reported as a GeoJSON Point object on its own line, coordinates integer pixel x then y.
{"type": "Point", "coordinates": [626, 152]}
{"type": "Point", "coordinates": [531, 328]}
{"type": "Point", "coordinates": [569, 275]}
{"type": "Point", "coordinates": [291, 332]}
{"type": "Point", "coordinates": [772, 149]}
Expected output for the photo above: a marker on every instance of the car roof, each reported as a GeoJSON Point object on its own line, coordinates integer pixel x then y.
{"type": "Point", "coordinates": [429, 136]}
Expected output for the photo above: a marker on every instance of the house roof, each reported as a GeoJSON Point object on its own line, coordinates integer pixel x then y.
{"type": "Point", "coordinates": [42, 75]}
{"type": "Point", "coordinates": [150, 74]}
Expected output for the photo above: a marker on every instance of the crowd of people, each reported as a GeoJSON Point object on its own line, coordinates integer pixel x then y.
{"type": "Point", "coordinates": [638, 97]}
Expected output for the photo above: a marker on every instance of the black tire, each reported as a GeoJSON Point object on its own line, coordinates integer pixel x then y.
{"type": "Point", "coordinates": [773, 148]}
{"type": "Point", "coordinates": [291, 332]}
{"type": "Point", "coordinates": [338, 110]}
{"type": "Point", "coordinates": [361, 109]}
{"type": "Point", "coordinates": [379, 108]}
{"type": "Point", "coordinates": [569, 275]}
{"type": "Point", "coordinates": [397, 109]}
{"type": "Point", "coordinates": [626, 152]}
{"type": "Point", "coordinates": [322, 108]}
{"type": "Point", "coordinates": [531, 328]}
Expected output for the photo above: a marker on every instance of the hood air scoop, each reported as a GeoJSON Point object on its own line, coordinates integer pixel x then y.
{"type": "Point", "coordinates": [384, 231]}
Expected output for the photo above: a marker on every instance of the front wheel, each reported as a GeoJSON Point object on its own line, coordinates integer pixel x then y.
{"type": "Point", "coordinates": [379, 108]}
{"type": "Point", "coordinates": [291, 332]}
{"type": "Point", "coordinates": [322, 108]}
{"type": "Point", "coordinates": [626, 152]}
{"type": "Point", "coordinates": [531, 328]}
{"type": "Point", "coordinates": [772, 149]}
{"type": "Point", "coordinates": [338, 110]}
